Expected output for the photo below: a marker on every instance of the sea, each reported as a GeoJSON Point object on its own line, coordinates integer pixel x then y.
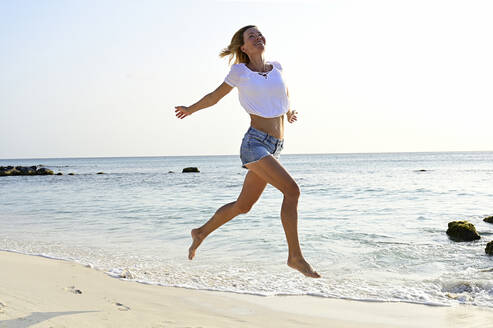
{"type": "Point", "coordinates": [373, 225]}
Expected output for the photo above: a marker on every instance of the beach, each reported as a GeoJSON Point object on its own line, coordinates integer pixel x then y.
{"type": "Point", "coordinates": [41, 292]}
{"type": "Point", "coordinates": [374, 226]}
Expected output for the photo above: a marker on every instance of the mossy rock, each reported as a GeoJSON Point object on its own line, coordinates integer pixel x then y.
{"type": "Point", "coordinates": [489, 248]}
{"type": "Point", "coordinates": [18, 170]}
{"type": "Point", "coordinates": [25, 170]}
{"type": "Point", "coordinates": [10, 171]}
{"type": "Point", "coordinates": [488, 219]}
{"type": "Point", "coordinates": [4, 171]}
{"type": "Point", "coordinates": [190, 170]}
{"type": "Point", "coordinates": [462, 231]}
{"type": "Point", "coordinates": [44, 171]}
{"type": "Point", "coordinates": [30, 171]}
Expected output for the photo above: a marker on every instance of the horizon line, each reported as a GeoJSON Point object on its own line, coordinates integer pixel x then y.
{"type": "Point", "coordinates": [338, 153]}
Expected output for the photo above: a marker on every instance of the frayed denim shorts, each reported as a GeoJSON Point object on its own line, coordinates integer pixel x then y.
{"type": "Point", "coordinates": [257, 144]}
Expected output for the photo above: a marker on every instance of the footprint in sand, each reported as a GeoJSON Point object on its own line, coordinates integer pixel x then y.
{"type": "Point", "coordinates": [72, 289]}
{"type": "Point", "coordinates": [122, 307]}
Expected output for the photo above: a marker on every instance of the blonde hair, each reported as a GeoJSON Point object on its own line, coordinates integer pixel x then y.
{"type": "Point", "coordinates": [234, 49]}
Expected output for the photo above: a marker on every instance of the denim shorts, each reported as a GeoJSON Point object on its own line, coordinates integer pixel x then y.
{"type": "Point", "coordinates": [257, 144]}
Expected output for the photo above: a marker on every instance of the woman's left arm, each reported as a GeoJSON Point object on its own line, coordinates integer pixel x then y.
{"type": "Point", "coordinates": [291, 114]}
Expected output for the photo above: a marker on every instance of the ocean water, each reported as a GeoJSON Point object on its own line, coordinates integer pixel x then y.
{"type": "Point", "coordinates": [372, 224]}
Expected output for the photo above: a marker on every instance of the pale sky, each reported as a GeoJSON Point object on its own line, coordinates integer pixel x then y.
{"type": "Point", "coordinates": [101, 78]}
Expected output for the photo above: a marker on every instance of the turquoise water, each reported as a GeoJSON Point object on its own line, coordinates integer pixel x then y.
{"type": "Point", "coordinates": [372, 224]}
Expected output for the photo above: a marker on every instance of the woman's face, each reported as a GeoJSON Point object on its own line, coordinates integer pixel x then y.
{"type": "Point", "coordinates": [253, 41]}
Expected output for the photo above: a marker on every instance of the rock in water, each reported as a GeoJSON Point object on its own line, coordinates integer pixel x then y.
{"type": "Point", "coordinates": [489, 248]}
{"type": "Point", "coordinates": [4, 171]}
{"type": "Point", "coordinates": [18, 170]}
{"type": "Point", "coordinates": [44, 171]}
{"type": "Point", "coordinates": [462, 231]}
{"type": "Point", "coordinates": [489, 219]}
{"type": "Point", "coordinates": [190, 170]}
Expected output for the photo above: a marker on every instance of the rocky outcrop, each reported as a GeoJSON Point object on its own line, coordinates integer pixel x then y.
{"type": "Point", "coordinates": [24, 170]}
{"type": "Point", "coordinates": [30, 170]}
{"type": "Point", "coordinates": [190, 170]}
{"type": "Point", "coordinates": [488, 219]}
{"type": "Point", "coordinates": [462, 231]}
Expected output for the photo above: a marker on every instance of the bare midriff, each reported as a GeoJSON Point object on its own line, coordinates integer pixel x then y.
{"type": "Point", "coordinates": [273, 126]}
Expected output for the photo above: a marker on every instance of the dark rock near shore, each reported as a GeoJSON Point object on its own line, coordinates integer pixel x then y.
{"type": "Point", "coordinates": [23, 170]}
{"type": "Point", "coordinates": [489, 248]}
{"type": "Point", "coordinates": [100, 173]}
{"type": "Point", "coordinates": [59, 173]}
{"type": "Point", "coordinates": [190, 170]}
{"type": "Point", "coordinates": [44, 171]}
{"type": "Point", "coordinates": [9, 170]}
{"type": "Point", "coordinates": [71, 173]}
{"type": "Point", "coordinates": [462, 231]}
{"type": "Point", "coordinates": [488, 219]}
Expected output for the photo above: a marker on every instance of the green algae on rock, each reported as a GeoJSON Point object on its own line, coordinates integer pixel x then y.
{"type": "Point", "coordinates": [462, 231]}
{"type": "Point", "coordinates": [6, 171]}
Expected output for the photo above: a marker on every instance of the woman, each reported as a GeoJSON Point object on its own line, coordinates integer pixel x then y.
{"type": "Point", "coordinates": [264, 96]}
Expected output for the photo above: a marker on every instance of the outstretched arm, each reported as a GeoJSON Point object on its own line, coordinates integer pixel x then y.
{"type": "Point", "coordinates": [208, 100]}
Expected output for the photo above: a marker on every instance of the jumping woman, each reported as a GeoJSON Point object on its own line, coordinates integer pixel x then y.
{"type": "Point", "coordinates": [264, 95]}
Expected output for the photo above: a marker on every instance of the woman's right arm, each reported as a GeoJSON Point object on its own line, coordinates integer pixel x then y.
{"type": "Point", "coordinates": [208, 100]}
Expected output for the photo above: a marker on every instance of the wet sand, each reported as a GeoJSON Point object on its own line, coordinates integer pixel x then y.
{"type": "Point", "coordinates": [41, 292]}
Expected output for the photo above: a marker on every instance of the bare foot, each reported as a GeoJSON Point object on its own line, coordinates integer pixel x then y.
{"type": "Point", "coordinates": [196, 241]}
{"type": "Point", "coordinates": [302, 266]}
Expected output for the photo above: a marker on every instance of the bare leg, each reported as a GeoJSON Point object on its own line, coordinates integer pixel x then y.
{"type": "Point", "coordinates": [274, 173]}
{"type": "Point", "coordinates": [253, 186]}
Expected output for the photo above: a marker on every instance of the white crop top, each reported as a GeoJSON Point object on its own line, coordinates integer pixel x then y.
{"type": "Point", "coordinates": [262, 95]}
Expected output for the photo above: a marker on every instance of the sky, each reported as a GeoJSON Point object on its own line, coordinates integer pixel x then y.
{"type": "Point", "coordinates": [101, 78]}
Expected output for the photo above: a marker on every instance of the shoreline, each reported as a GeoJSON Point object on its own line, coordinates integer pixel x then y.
{"type": "Point", "coordinates": [38, 291]}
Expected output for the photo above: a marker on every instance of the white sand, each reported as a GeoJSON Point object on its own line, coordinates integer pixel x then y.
{"type": "Point", "coordinates": [40, 292]}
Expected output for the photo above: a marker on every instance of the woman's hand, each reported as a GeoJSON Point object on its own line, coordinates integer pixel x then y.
{"type": "Point", "coordinates": [292, 116]}
{"type": "Point", "coordinates": [182, 111]}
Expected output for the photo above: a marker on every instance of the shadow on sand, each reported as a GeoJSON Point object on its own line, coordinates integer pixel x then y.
{"type": "Point", "coordinates": [34, 318]}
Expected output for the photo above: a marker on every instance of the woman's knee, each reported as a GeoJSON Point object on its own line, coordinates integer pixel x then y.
{"type": "Point", "coordinates": [292, 191]}
{"type": "Point", "coordinates": [242, 207]}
